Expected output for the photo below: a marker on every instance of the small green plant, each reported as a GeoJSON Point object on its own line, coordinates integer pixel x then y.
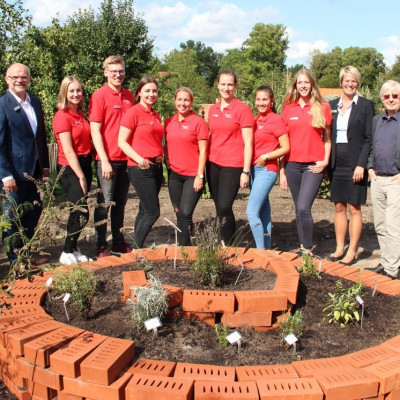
{"type": "Point", "coordinates": [341, 307]}
{"type": "Point", "coordinates": [80, 282]}
{"type": "Point", "coordinates": [148, 302]}
{"type": "Point", "coordinates": [307, 266]}
{"type": "Point", "coordinates": [324, 191]}
{"type": "Point", "coordinates": [292, 324]}
{"type": "Point", "coordinates": [210, 262]}
{"type": "Point", "coordinates": [221, 332]}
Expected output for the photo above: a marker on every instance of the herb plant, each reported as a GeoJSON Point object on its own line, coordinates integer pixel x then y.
{"type": "Point", "coordinates": [292, 324]}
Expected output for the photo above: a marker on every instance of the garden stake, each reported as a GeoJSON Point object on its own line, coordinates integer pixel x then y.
{"type": "Point", "coordinates": [153, 324]}
{"type": "Point", "coordinates": [361, 301]}
{"type": "Point", "coordinates": [291, 340]}
{"type": "Point", "coordinates": [376, 287]}
{"type": "Point", "coordinates": [235, 338]}
{"type": "Point", "coordinates": [48, 283]}
{"type": "Point", "coordinates": [320, 263]}
{"type": "Point", "coordinates": [242, 265]}
{"type": "Point", "coordinates": [176, 239]}
{"type": "Point", "coordinates": [65, 299]}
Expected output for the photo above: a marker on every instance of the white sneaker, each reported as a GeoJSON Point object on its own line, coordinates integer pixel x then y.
{"type": "Point", "coordinates": [80, 257]}
{"type": "Point", "coordinates": [68, 258]}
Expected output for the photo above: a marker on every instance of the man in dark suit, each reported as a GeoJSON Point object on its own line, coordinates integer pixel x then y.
{"type": "Point", "coordinates": [23, 150]}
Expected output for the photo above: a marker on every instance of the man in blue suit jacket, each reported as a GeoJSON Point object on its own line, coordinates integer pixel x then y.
{"type": "Point", "coordinates": [23, 149]}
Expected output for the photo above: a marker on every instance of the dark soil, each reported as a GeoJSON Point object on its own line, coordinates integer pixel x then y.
{"type": "Point", "coordinates": [193, 341]}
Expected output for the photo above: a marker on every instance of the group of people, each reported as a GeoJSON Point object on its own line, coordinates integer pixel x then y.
{"type": "Point", "coordinates": [235, 150]}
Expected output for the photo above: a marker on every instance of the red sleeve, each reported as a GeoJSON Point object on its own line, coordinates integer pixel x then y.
{"type": "Point", "coordinates": [61, 122]}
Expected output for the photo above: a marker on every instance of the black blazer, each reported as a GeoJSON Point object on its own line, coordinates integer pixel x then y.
{"type": "Point", "coordinates": [359, 132]}
{"type": "Point", "coordinates": [19, 146]}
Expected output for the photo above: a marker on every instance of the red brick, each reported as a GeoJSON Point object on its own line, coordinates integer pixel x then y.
{"type": "Point", "coordinates": [260, 260]}
{"type": "Point", "coordinates": [17, 338]}
{"type": "Point", "coordinates": [132, 278]}
{"type": "Point", "coordinates": [208, 301]}
{"type": "Point", "coordinates": [67, 360]}
{"type": "Point", "coordinates": [308, 368]}
{"type": "Point", "coordinates": [288, 285]}
{"type": "Point", "coordinates": [24, 368]}
{"type": "Point", "coordinates": [128, 258]}
{"type": "Point", "coordinates": [391, 288]}
{"type": "Point", "coordinates": [12, 314]}
{"type": "Point", "coordinates": [209, 390]}
{"type": "Point", "coordinates": [288, 256]}
{"type": "Point", "coordinates": [147, 387]}
{"type": "Point", "coordinates": [261, 300]}
{"type": "Point", "coordinates": [369, 356]}
{"type": "Point", "coordinates": [159, 253]}
{"type": "Point", "coordinates": [388, 373]}
{"type": "Point", "coordinates": [47, 378]}
{"type": "Point", "coordinates": [38, 351]}
{"type": "Point", "coordinates": [348, 384]}
{"type": "Point", "coordinates": [239, 319]}
{"type": "Point", "coordinates": [25, 298]}
{"type": "Point", "coordinates": [283, 267]}
{"type": "Point", "coordinates": [152, 367]}
{"type": "Point", "coordinates": [207, 318]}
{"type": "Point", "coordinates": [288, 389]}
{"type": "Point", "coordinates": [89, 390]}
{"type": "Point", "coordinates": [175, 295]}
{"type": "Point", "coordinates": [204, 372]}
{"type": "Point", "coordinates": [393, 395]}
{"type": "Point", "coordinates": [393, 343]}
{"type": "Point", "coordinates": [61, 395]}
{"type": "Point", "coordinates": [262, 372]}
{"type": "Point", "coordinates": [107, 361]}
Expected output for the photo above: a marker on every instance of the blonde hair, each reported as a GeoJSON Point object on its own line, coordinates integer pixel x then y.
{"type": "Point", "coordinates": [185, 89]}
{"type": "Point", "coordinates": [62, 103]}
{"type": "Point", "coordinates": [113, 60]}
{"type": "Point", "coordinates": [350, 70]}
{"type": "Point", "coordinates": [318, 118]}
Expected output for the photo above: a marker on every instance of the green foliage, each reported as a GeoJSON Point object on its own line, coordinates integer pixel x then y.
{"type": "Point", "coordinates": [341, 308]}
{"type": "Point", "coordinates": [292, 324]}
{"type": "Point", "coordinates": [324, 191]}
{"type": "Point", "coordinates": [80, 282]}
{"type": "Point", "coordinates": [210, 263]}
{"type": "Point", "coordinates": [221, 332]}
{"type": "Point", "coordinates": [148, 302]}
{"type": "Point", "coordinates": [307, 266]}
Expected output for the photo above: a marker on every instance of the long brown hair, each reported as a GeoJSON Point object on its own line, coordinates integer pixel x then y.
{"type": "Point", "coordinates": [62, 103]}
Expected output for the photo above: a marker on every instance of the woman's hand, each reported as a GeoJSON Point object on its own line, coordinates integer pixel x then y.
{"type": "Point", "coordinates": [244, 181]}
{"type": "Point", "coordinates": [83, 184]}
{"type": "Point", "coordinates": [145, 164]}
{"type": "Point", "coordinates": [283, 180]}
{"type": "Point", "coordinates": [318, 167]}
{"type": "Point", "coordinates": [371, 173]}
{"type": "Point", "coordinates": [198, 183]}
{"type": "Point", "coordinates": [358, 174]}
{"type": "Point", "coordinates": [261, 161]}
{"type": "Point", "coordinates": [106, 170]}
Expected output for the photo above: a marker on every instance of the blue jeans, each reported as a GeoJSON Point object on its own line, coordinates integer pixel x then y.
{"type": "Point", "coordinates": [115, 190]}
{"type": "Point", "coordinates": [304, 186]}
{"type": "Point", "coordinates": [258, 207]}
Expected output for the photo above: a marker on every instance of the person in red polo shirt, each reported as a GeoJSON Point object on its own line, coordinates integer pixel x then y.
{"type": "Point", "coordinates": [271, 142]}
{"type": "Point", "coordinates": [308, 119]}
{"type": "Point", "coordinates": [186, 137]}
{"type": "Point", "coordinates": [72, 133]}
{"type": "Point", "coordinates": [140, 138]}
{"type": "Point", "coordinates": [230, 151]}
{"type": "Point", "coordinates": [106, 107]}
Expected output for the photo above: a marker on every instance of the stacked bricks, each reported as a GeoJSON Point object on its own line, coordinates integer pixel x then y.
{"type": "Point", "coordinates": [43, 359]}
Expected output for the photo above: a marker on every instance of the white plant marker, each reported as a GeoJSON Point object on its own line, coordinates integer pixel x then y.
{"type": "Point", "coordinates": [176, 239]}
{"type": "Point", "coordinates": [241, 270]}
{"type": "Point", "coordinates": [291, 340]}
{"type": "Point", "coordinates": [65, 299]}
{"type": "Point", "coordinates": [235, 338]}
{"type": "Point", "coordinates": [48, 284]}
{"type": "Point", "coordinates": [152, 325]}
{"type": "Point", "coordinates": [376, 287]}
{"type": "Point", "coordinates": [320, 263]}
{"type": "Point", "coordinates": [361, 301]}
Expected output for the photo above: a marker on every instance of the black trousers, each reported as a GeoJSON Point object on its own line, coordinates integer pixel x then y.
{"type": "Point", "coordinates": [79, 212]}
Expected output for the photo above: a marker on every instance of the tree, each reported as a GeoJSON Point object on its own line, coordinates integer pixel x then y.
{"type": "Point", "coordinates": [207, 60]}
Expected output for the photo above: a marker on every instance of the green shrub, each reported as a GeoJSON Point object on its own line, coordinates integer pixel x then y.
{"type": "Point", "coordinates": [80, 282]}
{"type": "Point", "coordinates": [221, 332]}
{"type": "Point", "coordinates": [292, 324]}
{"type": "Point", "coordinates": [210, 262]}
{"type": "Point", "coordinates": [342, 305]}
{"type": "Point", "coordinates": [324, 191]}
{"type": "Point", "coordinates": [307, 266]}
{"type": "Point", "coordinates": [148, 302]}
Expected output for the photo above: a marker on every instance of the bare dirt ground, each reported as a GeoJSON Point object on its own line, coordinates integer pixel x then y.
{"type": "Point", "coordinates": [284, 235]}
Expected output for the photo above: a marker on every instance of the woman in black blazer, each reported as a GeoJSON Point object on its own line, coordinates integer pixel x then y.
{"type": "Point", "coordinates": [351, 136]}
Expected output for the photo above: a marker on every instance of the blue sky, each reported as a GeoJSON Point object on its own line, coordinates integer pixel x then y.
{"type": "Point", "coordinates": [311, 24]}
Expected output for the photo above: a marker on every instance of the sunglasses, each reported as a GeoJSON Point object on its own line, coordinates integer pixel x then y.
{"type": "Point", "coordinates": [387, 96]}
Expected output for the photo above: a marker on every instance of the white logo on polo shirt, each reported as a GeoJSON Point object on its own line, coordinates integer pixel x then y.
{"type": "Point", "coordinates": [185, 127]}
{"type": "Point", "coordinates": [229, 116]}
{"type": "Point", "coordinates": [294, 118]}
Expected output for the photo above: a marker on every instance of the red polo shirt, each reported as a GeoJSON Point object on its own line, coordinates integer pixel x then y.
{"type": "Point", "coordinates": [306, 143]}
{"type": "Point", "coordinates": [106, 106]}
{"type": "Point", "coordinates": [147, 132]}
{"type": "Point", "coordinates": [267, 130]}
{"type": "Point", "coordinates": [76, 124]}
{"type": "Point", "coordinates": [182, 142]}
{"type": "Point", "coordinates": [226, 140]}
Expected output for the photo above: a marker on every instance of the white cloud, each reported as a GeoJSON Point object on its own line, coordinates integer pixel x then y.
{"type": "Point", "coordinates": [164, 19]}
{"type": "Point", "coordinates": [390, 49]}
{"type": "Point", "coordinates": [299, 51]}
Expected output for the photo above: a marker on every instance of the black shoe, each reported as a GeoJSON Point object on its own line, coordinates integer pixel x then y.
{"type": "Point", "coordinates": [334, 259]}
{"type": "Point", "coordinates": [378, 270]}
{"type": "Point", "coordinates": [347, 264]}
{"type": "Point", "coordinates": [384, 273]}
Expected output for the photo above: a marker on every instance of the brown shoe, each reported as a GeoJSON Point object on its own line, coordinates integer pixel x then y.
{"type": "Point", "coordinates": [121, 248]}
{"type": "Point", "coordinates": [40, 261]}
{"type": "Point", "coordinates": [103, 252]}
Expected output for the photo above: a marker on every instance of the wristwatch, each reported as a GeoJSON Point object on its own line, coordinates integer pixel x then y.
{"type": "Point", "coordinates": [201, 176]}
{"type": "Point", "coordinates": [246, 172]}
{"type": "Point", "coordinates": [266, 157]}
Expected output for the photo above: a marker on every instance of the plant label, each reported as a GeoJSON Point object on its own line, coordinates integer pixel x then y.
{"type": "Point", "coordinates": [49, 282]}
{"type": "Point", "coordinates": [66, 297]}
{"type": "Point", "coordinates": [360, 300]}
{"type": "Point", "coordinates": [152, 324]}
{"type": "Point", "coordinates": [291, 339]}
{"type": "Point", "coordinates": [234, 337]}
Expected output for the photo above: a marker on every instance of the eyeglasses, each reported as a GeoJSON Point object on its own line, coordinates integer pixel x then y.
{"type": "Point", "coordinates": [387, 96]}
{"type": "Point", "coordinates": [114, 72]}
{"type": "Point", "coordinates": [15, 78]}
